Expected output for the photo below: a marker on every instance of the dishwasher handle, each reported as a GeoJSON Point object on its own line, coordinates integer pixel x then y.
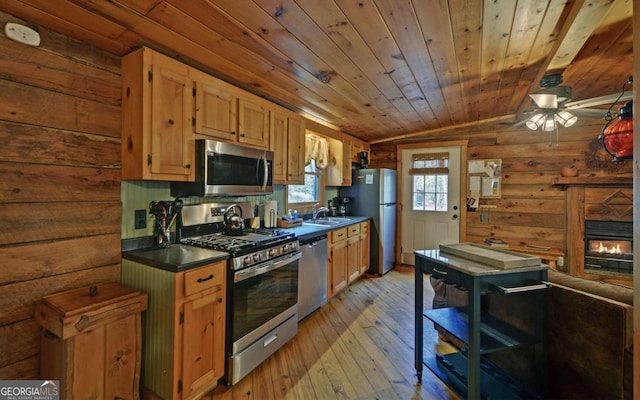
{"type": "Point", "coordinates": [313, 240]}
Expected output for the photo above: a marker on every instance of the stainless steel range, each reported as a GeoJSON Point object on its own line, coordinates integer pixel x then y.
{"type": "Point", "coordinates": [262, 302]}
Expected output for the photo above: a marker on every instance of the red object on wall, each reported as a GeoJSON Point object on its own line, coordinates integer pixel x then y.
{"type": "Point", "coordinates": [617, 136]}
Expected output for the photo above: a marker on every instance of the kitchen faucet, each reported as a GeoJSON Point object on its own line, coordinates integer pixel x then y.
{"type": "Point", "coordinates": [315, 210]}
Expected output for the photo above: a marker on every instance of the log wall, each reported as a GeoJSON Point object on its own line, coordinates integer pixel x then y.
{"type": "Point", "coordinates": [59, 181]}
{"type": "Point", "coordinates": [531, 211]}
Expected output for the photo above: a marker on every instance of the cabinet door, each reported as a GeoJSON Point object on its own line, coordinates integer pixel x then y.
{"type": "Point", "coordinates": [346, 163]}
{"type": "Point", "coordinates": [203, 329]}
{"type": "Point", "coordinates": [253, 124]}
{"type": "Point", "coordinates": [172, 145]}
{"type": "Point", "coordinates": [353, 258]}
{"type": "Point", "coordinates": [216, 113]}
{"type": "Point", "coordinates": [365, 247]}
{"type": "Point", "coordinates": [295, 153]}
{"type": "Point", "coordinates": [278, 143]}
{"type": "Point", "coordinates": [337, 267]}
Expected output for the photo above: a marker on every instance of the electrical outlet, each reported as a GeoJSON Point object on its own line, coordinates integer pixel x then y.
{"type": "Point", "coordinates": [140, 219]}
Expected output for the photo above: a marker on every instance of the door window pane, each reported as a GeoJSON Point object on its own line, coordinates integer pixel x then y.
{"type": "Point", "coordinates": [430, 192]}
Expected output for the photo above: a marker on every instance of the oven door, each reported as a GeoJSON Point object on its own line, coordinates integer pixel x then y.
{"type": "Point", "coordinates": [263, 296]}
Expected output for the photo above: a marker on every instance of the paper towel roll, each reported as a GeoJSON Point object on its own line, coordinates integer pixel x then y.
{"type": "Point", "coordinates": [270, 214]}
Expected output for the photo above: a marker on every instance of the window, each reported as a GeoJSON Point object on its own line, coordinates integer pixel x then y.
{"type": "Point", "coordinates": [430, 186]}
{"type": "Point", "coordinates": [310, 191]}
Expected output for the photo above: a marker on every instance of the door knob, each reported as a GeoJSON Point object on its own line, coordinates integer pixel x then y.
{"type": "Point", "coordinates": [455, 207]}
{"type": "Point", "coordinates": [455, 216]}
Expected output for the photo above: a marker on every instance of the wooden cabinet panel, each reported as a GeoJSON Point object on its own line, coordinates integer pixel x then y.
{"type": "Point", "coordinates": [348, 255]}
{"type": "Point", "coordinates": [202, 278]}
{"type": "Point", "coordinates": [278, 143]}
{"type": "Point", "coordinates": [157, 107]}
{"type": "Point", "coordinates": [203, 324]}
{"type": "Point", "coordinates": [353, 258]}
{"type": "Point", "coordinates": [365, 247]}
{"type": "Point", "coordinates": [338, 235]}
{"type": "Point", "coordinates": [286, 140]}
{"type": "Point", "coordinates": [253, 123]}
{"type": "Point", "coordinates": [337, 267]}
{"type": "Point", "coordinates": [295, 150]}
{"type": "Point", "coordinates": [216, 110]}
{"type": "Point", "coordinates": [183, 347]}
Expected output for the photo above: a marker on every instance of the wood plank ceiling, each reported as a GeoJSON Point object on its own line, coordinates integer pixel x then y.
{"type": "Point", "coordinates": [376, 69]}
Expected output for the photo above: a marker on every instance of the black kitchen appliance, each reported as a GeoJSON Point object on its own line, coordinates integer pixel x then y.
{"type": "Point", "coordinates": [364, 159]}
{"type": "Point", "coordinates": [342, 205]}
{"type": "Point", "coordinates": [262, 283]}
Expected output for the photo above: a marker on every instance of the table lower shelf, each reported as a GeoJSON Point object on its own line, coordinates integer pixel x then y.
{"type": "Point", "coordinates": [494, 383]}
{"type": "Point", "coordinates": [495, 335]}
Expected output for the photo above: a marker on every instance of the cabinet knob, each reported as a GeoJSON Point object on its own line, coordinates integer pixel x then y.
{"type": "Point", "coordinates": [242, 134]}
{"type": "Point", "coordinates": [188, 166]}
{"type": "Point", "coordinates": [233, 132]}
{"type": "Point", "coordinates": [171, 122]}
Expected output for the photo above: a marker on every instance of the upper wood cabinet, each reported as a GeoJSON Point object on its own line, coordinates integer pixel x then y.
{"type": "Point", "coordinates": [295, 150]}
{"type": "Point", "coordinates": [157, 104]}
{"type": "Point", "coordinates": [286, 140]}
{"type": "Point", "coordinates": [253, 123]}
{"type": "Point", "coordinates": [339, 168]}
{"type": "Point", "coordinates": [216, 110]}
{"type": "Point", "coordinates": [227, 113]}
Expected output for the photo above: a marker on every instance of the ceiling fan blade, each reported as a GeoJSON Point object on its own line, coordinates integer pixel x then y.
{"type": "Point", "coordinates": [588, 112]}
{"type": "Point", "coordinates": [598, 101]}
{"type": "Point", "coordinates": [545, 100]}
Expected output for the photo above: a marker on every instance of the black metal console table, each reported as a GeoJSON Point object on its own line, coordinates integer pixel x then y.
{"type": "Point", "coordinates": [467, 371]}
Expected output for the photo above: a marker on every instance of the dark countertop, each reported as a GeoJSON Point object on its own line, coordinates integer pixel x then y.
{"type": "Point", "coordinates": [306, 230]}
{"type": "Point", "coordinates": [180, 257]}
{"type": "Point", "coordinates": [176, 258]}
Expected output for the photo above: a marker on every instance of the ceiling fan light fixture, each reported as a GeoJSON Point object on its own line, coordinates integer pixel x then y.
{"type": "Point", "coordinates": [535, 121]}
{"type": "Point", "coordinates": [549, 123]}
{"type": "Point", "coordinates": [565, 118]}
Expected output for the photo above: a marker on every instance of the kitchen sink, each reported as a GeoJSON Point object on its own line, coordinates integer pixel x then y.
{"type": "Point", "coordinates": [327, 221]}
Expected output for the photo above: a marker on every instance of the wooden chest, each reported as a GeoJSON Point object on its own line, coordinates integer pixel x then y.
{"type": "Point", "coordinates": [91, 341]}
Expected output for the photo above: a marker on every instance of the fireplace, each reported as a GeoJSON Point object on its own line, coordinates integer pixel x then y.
{"type": "Point", "coordinates": [608, 247]}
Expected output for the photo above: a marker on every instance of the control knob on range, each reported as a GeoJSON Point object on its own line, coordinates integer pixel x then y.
{"type": "Point", "coordinates": [256, 257]}
{"type": "Point", "coordinates": [272, 252]}
{"type": "Point", "coordinates": [246, 260]}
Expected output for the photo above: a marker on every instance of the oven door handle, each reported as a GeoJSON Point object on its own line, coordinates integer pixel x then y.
{"type": "Point", "coordinates": [262, 268]}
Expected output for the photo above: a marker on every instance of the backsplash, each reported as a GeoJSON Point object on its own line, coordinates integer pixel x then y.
{"type": "Point", "coordinates": [136, 195]}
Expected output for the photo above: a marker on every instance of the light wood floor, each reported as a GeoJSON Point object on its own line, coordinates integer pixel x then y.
{"type": "Point", "coordinates": [357, 346]}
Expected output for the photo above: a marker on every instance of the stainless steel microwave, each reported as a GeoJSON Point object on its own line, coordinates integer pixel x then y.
{"type": "Point", "coordinates": [228, 169]}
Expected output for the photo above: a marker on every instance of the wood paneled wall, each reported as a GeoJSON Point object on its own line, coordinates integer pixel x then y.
{"type": "Point", "coordinates": [531, 210]}
{"type": "Point", "coordinates": [60, 215]}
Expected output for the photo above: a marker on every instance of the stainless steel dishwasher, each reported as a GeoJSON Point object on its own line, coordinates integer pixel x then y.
{"type": "Point", "coordinates": [312, 275]}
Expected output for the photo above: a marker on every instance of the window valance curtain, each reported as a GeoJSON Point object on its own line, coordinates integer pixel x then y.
{"type": "Point", "coordinates": [430, 163]}
{"type": "Point", "coordinates": [316, 148]}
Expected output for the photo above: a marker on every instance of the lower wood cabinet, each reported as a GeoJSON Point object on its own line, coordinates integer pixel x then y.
{"type": "Point", "coordinates": [364, 247]}
{"type": "Point", "coordinates": [337, 263]}
{"type": "Point", "coordinates": [348, 255]}
{"type": "Point", "coordinates": [183, 344]}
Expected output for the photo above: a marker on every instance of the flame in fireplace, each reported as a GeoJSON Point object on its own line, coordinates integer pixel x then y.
{"type": "Point", "coordinates": [615, 249]}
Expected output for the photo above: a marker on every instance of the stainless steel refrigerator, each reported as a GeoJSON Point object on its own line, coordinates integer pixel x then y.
{"type": "Point", "coordinates": [373, 193]}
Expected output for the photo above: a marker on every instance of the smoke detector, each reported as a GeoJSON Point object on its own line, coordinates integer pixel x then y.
{"type": "Point", "coordinates": [22, 34]}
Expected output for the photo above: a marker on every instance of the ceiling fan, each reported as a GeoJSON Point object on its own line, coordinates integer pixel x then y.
{"type": "Point", "coordinates": [553, 105]}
